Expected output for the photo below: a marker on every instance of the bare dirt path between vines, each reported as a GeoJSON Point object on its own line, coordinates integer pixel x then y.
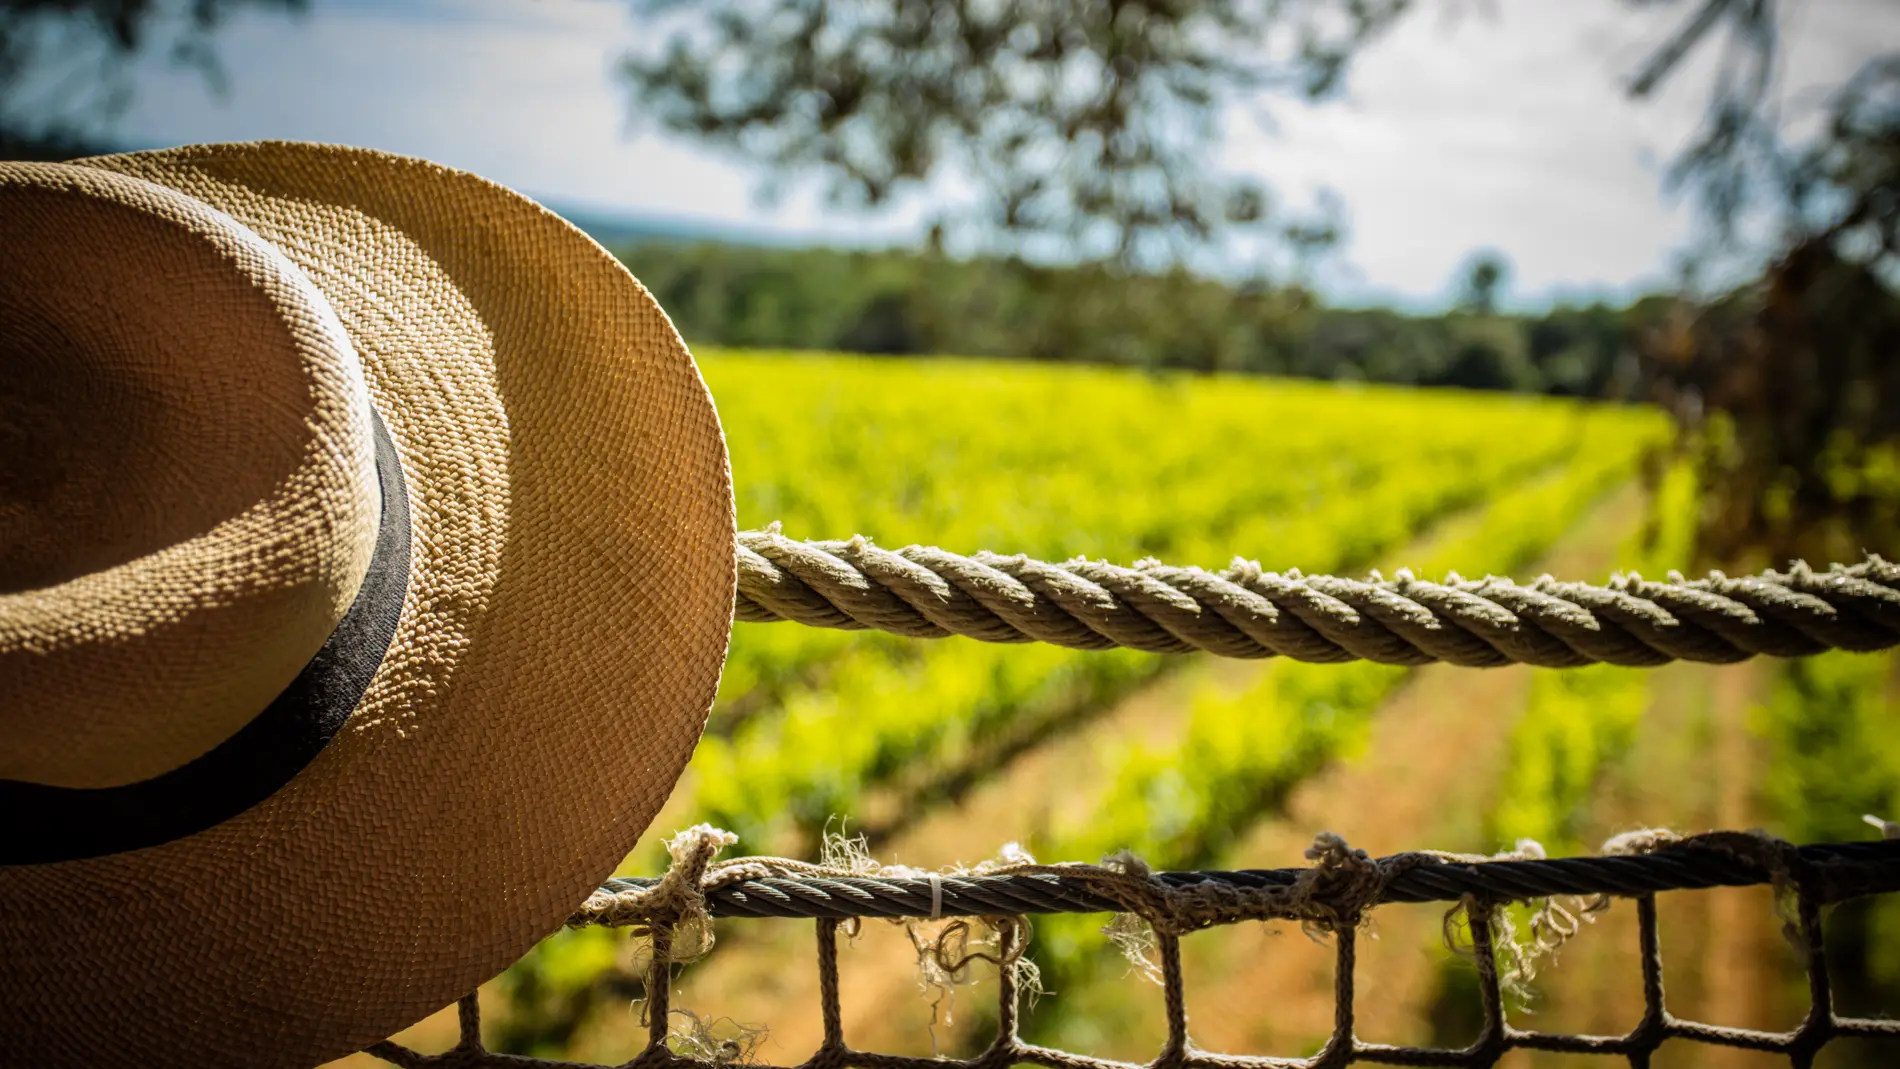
{"type": "Point", "coordinates": [771, 980]}
{"type": "Point", "coordinates": [1426, 779]}
{"type": "Point", "coordinates": [1690, 768]}
{"type": "Point", "coordinates": [1693, 767]}
{"type": "Point", "coordinates": [769, 977]}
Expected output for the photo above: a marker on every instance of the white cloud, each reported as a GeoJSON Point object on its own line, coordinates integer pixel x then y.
{"type": "Point", "coordinates": [1509, 129]}
{"type": "Point", "coordinates": [1500, 131]}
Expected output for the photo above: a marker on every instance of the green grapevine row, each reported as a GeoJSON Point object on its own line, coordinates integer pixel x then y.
{"type": "Point", "coordinates": [1052, 461]}
{"type": "Point", "coordinates": [1578, 723]}
{"type": "Point", "coordinates": [1184, 802]}
{"type": "Point", "coordinates": [1178, 803]}
{"type": "Point", "coordinates": [1317, 476]}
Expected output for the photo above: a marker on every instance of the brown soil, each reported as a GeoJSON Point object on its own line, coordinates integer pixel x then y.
{"type": "Point", "coordinates": [1692, 768]}
{"type": "Point", "coordinates": [1387, 800]}
{"type": "Point", "coordinates": [1423, 780]}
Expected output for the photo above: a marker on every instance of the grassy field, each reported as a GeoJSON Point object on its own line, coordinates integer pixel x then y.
{"type": "Point", "coordinates": [1057, 462]}
{"type": "Point", "coordinates": [941, 751]}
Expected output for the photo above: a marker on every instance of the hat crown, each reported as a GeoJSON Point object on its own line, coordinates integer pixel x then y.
{"type": "Point", "coordinates": [509, 697]}
{"type": "Point", "coordinates": [188, 493]}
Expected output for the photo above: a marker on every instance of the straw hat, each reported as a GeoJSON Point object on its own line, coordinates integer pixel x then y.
{"type": "Point", "coordinates": [366, 570]}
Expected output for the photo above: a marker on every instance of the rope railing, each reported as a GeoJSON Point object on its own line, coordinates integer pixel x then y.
{"type": "Point", "coordinates": [1332, 896]}
{"type": "Point", "coordinates": [1246, 612]}
{"type": "Point", "coordinates": [1832, 871]}
{"type": "Point", "coordinates": [925, 592]}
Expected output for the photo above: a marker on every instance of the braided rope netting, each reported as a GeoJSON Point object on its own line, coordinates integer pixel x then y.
{"type": "Point", "coordinates": [924, 592]}
{"type": "Point", "coordinates": [1334, 895]}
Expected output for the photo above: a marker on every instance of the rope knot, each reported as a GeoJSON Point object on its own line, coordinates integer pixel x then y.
{"type": "Point", "coordinates": [678, 900]}
{"type": "Point", "coordinates": [1127, 863]}
{"type": "Point", "coordinates": [1333, 894]}
{"type": "Point", "coordinates": [1342, 884]}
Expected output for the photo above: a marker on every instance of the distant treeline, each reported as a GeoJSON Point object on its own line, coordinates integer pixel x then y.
{"type": "Point", "coordinates": [901, 302]}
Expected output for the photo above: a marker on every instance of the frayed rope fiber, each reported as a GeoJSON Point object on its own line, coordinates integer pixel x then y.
{"type": "Point", "coordinates": [1330, 898]}
{"type": "Point", "coordinates": [1340, 885]}
{"type": "Point", "coordinates": [925, 592]}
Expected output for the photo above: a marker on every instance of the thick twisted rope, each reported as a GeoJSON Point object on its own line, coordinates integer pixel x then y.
{"type": "Point", "coordinates": [1831, 871]}
{"type": "Point", "coordinates": [924, 592]}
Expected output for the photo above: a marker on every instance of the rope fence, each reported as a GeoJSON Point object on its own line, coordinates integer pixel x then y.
{"type": "Point", "coordinates": [1246, 612]}
{"type": "Point", "coordinates": [924, 592]}
{"type": "Point", "coordinates": [1836, 870]}
{"type": "Point", "coordinates": [1333, 896]}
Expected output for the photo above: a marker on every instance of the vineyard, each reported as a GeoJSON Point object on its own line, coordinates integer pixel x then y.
{"type": "Point", "coordinates": [940, 752]}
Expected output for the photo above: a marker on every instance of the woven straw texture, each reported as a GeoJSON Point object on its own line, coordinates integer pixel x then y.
{"type": "Point", "coordinates": [197, 497]}
{"type": "Point", "coordinates": [567, 613]}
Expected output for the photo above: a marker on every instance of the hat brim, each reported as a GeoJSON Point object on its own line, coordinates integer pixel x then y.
{"type": "Point", "coordinates": [567, 613]}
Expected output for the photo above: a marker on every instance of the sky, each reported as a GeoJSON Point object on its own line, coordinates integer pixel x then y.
{"type": "Point", "coordinates": [1494, 124]}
